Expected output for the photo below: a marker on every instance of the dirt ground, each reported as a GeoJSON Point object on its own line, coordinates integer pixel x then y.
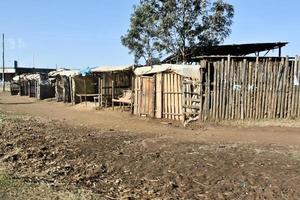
{"type": "Point", "coordinates": [114, 155]}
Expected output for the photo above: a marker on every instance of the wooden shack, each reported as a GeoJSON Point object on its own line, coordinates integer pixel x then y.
{"type": "Point", "coordinates": [84, 88]}
{"type": "Point", "coordinates": [62, 81]}
{"type": "Point", "coordinates": [112, 81]}
{"type": "Point", "coordinates": [158, 89]}
{"type": "Point", "coordinates": [33, 85]}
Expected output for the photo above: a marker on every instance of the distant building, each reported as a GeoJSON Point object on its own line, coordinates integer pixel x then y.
{"type": "Point", "coordinates": [10, 72]}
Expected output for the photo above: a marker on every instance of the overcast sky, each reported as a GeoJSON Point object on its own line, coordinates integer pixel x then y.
{"type": "Point", "coordinates": [80, 33]}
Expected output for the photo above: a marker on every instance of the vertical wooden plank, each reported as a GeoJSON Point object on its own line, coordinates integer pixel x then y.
{"type": "Point", "coordinates": [168, 95]}
{"type": "Point", "coordinates": [298, 89]}
{"type": "Point", "coordinates": [243, 86]}
{"type": "Point", "coordinates": [214, 104]}
{"type": "Point", "coordinates": [280, 88]}
{"type": "Point", "coordinates": [217, 81]}
{"type": "Point", "coordinates": [153, 96]}
{"type": "Point", "coordinates": [254, 84]}
{"type": "Point", "coordinates": [290, 94]}
{"type": "Point", "coordinates": [176, 90]}
{"type": "Point", "coordinates": [172, 95]}
{"type": "Point", "coordinates": [148, 96]}
{"type": "Point", "coordinates": [158, 107]}
{"type": "Point", "coordinates": [141, 99]}
{"type": "Point", "coordinates": [233, 91]}
{"type": "Point", "coordinates": [286, 87]}
{"type": "Point", "coordinates": [223, 93]}
{"type": "Point", "coordinates": [249, 89]}
{"type": "Point", "coordinates": [208, 91]}
{"type": "Point", "coordinates": [205, 94]}
{"type": "Point", "coordinates": [231, 64]}
{"type": "Point", "coordinates": [273, 79]}
{"type": "Point", "coordinates": [239, 89]}
{"type": "Point", "coordinates": [292, 114]}
{"type": "Point", "coordinates": [226, 82]}
{"type": "Point", "coordinates": [180, 97]}
{"type": "Point", "coordinates": [270, 89]}
{"type": "Point", "coordinates": [201, 113]}
{"type": "Point", "coordinates": [99, 92]}
{"type": "Point", "coordinates": [260, 68]}
{"type": "Point", "coordinates": [256, 87]}
{"type": "Point", "coordinates": [289, 87]}
{"type": "Point", "coordinates": [165, 97]}
{"type": "Point", "coordinates": [183, 86]}
{"type": "Point", "coordinates": [295, 78]}
{"type": "Point", "coordinates": [283, 83]}
{"type": "Point", "coordinates": [264, 88]}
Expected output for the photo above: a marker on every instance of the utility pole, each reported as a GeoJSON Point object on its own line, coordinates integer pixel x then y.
{"type": "Point", "coordinates": [3, 64]}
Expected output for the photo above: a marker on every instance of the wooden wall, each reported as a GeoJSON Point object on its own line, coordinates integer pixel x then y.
{"type": "Point", "coordinates": [243, 88]}
{"type": "Point", "coordinates": [144, 96]}
{"type": "Point", "coordinates": [159, 96]}
{"type": "Point", "coordinates": [114, 81]}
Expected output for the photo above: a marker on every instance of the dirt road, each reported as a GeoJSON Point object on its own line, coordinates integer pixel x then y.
{"type": "Point", "coordinates": [269, 133]}
{"type": "Point", "coordinates": [112, 155]}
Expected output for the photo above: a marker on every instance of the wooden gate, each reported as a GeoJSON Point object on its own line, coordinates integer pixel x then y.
{"type": "Point", "coordinates": [144, 96]}
{"type": "Point", "coordinates": [171, 96]}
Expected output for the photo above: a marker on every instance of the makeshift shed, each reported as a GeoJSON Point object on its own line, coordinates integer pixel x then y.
{"type": "Point", "coordinates": [113, 81]}
{"type": "Point", "coordinates": [84, 88]}
{"type": "Point", "coordinates": [158, 89]}
{"type": "Point", "coordinates": [34, 85]}
{"type": "Point", "coordinates": [62, 80]}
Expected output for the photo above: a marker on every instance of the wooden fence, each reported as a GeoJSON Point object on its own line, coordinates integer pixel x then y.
{"type": "Point", "coordinates": [244, 88]}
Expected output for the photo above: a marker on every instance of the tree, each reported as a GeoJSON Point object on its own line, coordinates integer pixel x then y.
{"type": "Point", "coordinates": [174, 26]}
{"type": "Point", "coordinates": [141, 38]}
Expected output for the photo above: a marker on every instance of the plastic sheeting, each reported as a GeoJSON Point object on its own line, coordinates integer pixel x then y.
{"type": "Point", "coordinates": [85, 71]}
{"type": "Point", "coordinates": [190, 71]}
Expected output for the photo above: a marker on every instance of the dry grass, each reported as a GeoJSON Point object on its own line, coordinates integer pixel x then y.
{"type": "Point", "coordinates": [16, 189]}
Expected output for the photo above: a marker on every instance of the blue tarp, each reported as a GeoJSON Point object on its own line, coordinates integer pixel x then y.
{"type": "Point", "coordinates": [86, 71]}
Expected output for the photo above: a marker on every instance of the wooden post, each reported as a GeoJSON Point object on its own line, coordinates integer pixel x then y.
{"type": "Point", "coordinates": [290, 91]}
{"type": "Point", "coordinates": [180, 80]}
{"type": "Point", "coordinates": [223, 90]}
{"type": "Point", "coordinates": [158, 107]}
{"type": "Point", "coordinates": [295, 78]}
{"type": "Point", "coordinates": [183, 100]}
{"type": "Point", "coordinates": [136, 95]}
{"type": "Point", "coordinates": [84, 85]}
{"type": "Point", "coordinates": [112, 94]}
{"type": "Point", "coordinates": [297, 72]}
{"type": "Point", "coordinates": [99, 92]}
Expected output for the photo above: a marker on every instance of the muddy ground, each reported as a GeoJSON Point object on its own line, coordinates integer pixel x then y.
{"type": "Point", "coordinates": [119, 165]}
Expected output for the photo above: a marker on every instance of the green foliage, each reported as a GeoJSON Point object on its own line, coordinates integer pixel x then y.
{"type": "Point", "coordinates": [161, 27]}
{"type": "Point", "coordinates": [141, 38]}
